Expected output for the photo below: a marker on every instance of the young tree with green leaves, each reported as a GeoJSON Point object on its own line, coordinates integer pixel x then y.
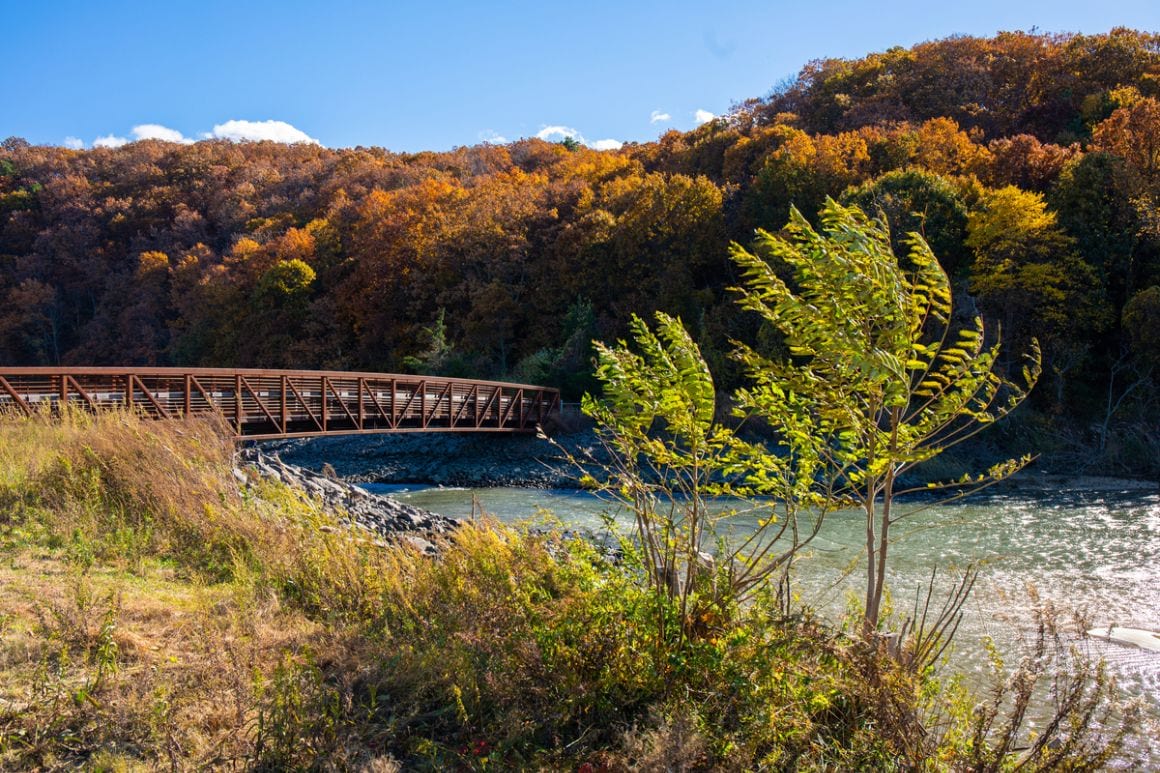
{"type": "Point", "coordinates": [878, 380]}
{"type": "Point", "coordinates": [875, 362]}
{"type": "Point", "coordinates": [685, 476]}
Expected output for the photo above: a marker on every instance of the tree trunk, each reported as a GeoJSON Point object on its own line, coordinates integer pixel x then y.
{"type": "Point", "coordinates": [873, 581]}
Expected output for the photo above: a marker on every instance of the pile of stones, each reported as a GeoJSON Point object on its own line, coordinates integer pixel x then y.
{"type": "Point", "coordinates": [382, 516]}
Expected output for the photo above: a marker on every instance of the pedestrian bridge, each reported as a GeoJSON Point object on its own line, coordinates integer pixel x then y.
{"type": "Point", "coordinates": [286, 403]}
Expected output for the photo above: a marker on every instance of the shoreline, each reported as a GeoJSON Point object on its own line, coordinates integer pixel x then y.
{"type": "Point", "coordinates": [526, 461]}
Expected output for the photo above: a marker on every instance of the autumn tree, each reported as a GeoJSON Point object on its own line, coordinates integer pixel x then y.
{"type": "Point", "coordinates": [942, 147]}
{"type": "Point", "coordinates": [1024, 161]}
{"type": "Point", "coordinates": [204, 304]}
{"type": "Point", "coordinates": [1027, 275]}
{"type": "Point", "coordinates": [1133, 134]}
{"type": "Point", "coordinates": [142, 327]}
{"type": "Point", "coordinates": [660, 251]}
{"type": "Point", "coordinates": [505, 238]}
{"type": "Point", "coordinates": [482, 276]}
{"type": "Point", "coordinates": [394, 239]}
{"type": "Point", "coordinates": [30, 324]}
{"type": "Point", "coordinates": [804, 170]}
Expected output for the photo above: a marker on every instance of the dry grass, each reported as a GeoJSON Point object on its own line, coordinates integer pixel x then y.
{"type": "Point", "coordinates": [149, 600]}
{"type": "Point", "coordinates": [180, 664]}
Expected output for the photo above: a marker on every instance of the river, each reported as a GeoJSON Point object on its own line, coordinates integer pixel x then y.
{"type": "Point", "coordinates": [1097, 551]}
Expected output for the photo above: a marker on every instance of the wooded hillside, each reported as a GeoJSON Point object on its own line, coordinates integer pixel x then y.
{"type": "Point", "coordinates": [1030, 162]}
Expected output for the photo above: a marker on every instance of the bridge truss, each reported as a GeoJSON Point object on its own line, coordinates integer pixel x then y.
{"type": "Point", "coordinates": [287, 403]}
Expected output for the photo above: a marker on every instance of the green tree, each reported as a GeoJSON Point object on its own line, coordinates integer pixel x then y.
{"type": "Point", "coordinates": [277, 314]}
{"type": "Point", "coordinates": [874, 362]}
{"type": "Point", "coordinates": [285, 284]}
{"type": "Point", "coordinates": [569, 365]}
{"type": "Point", "coordinates": [672, 459]}
{"type": "Point", "coordinates": [1141, 320]}
{"type": "Point", "coordinates": [1028, 276]}
{"type": "Point", "coordinates": [916, 200]}
{"type": "Point", "coordinates": [439, 355]}
{"type": "Point", "coordinates": [1093, 200]}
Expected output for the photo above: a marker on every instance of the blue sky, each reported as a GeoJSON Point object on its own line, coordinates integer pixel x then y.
{"type": "Point", "coordinates": [414, 76]}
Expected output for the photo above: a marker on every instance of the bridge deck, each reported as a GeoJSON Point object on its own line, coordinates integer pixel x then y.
{"type": "Point", "coordinates": [287, 403]}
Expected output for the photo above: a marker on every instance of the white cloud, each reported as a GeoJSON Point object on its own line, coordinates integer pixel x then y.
{"type": "Point", "coordinates": [238, 131]}
{"type": "Point", "coordinates": [254, 131]}
{"type": "Point", "coordinates": [659, 117]}
{"type": "Point", "coordinates": [155, 131]}
{"type": "Point", "coordinates": [492, 138]}
{"type": "Point", "coordinates": [74, 143]}
{"type": "Point", "coordinates": [109, 141]}
{"type": "Point", "coordinates": [558, 133]}
{"type": "Point", "coordinates": [144, 131]}
{"type": "Point", "coordinates": [703, 116]}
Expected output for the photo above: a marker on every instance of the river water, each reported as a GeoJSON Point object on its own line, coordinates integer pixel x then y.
{"type": "Point", "coordinates": [1097, 551]}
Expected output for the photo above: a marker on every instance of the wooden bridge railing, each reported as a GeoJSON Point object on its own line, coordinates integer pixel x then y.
{"type": "Point", "coordinates": [288, 403]}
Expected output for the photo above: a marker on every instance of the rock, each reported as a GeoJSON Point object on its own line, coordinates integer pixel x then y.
{"type": "Point", "coordinates": [386, 520]}
{"type": "Point", "coordinates": [1136, 637]}
{"type": "Point", "coordinates": [422, 545]}
{"type": "Point", "coordinates": [378, 514]}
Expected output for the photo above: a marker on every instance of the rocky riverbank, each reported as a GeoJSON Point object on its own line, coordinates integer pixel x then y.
{"type": "Point", "coordinates": [491, 459]}
{"type": "Point", "coordinates": [382, 516]}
